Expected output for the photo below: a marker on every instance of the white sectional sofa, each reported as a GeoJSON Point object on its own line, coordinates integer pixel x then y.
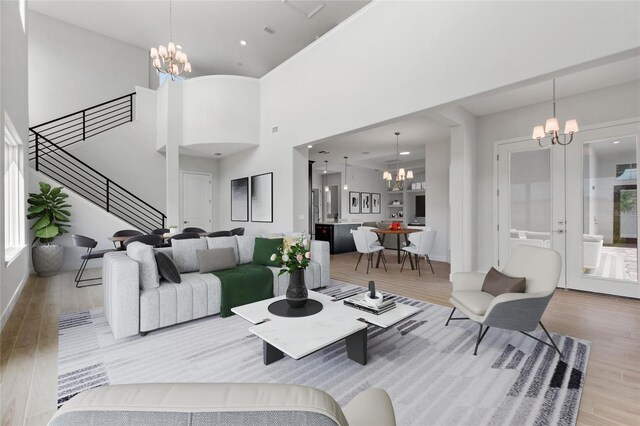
{"type": "Point", "coordinates": [130, 309]}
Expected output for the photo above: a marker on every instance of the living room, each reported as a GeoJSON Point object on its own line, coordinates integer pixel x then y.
{"type": "Point", "coordinates": [367, 72]}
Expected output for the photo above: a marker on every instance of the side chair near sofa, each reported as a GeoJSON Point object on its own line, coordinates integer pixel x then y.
{"type": "Point", "coordinates": [200, 404]}
{"type": "Point", "coordinates": [89, 244]}
{"type": "Point", "coordinates": [511, 311]}
{"type": "Point", "coordinates": [125, 233]}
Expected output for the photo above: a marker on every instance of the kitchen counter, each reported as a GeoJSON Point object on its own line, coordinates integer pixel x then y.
{"type": "Point", "coordinates": [338, 235]}
{"type": "Point", "coordinates": [339, 223]}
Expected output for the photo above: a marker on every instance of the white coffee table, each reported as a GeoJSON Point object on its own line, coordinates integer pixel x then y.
{"type": "Point", "coordinates": [299, 337]}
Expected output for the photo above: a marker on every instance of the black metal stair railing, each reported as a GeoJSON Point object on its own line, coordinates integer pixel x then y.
{"type": "Point", "coordinates": [72, 173]}
{"type": "Point", "coordinates": [81, 125]}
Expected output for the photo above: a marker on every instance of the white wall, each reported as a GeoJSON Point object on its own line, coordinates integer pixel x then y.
{"type": "Point", "coordinates": [590, 109]}
{"type": "Point", "coordinates": [364, 180]}
{"type": "Point", "coordinates": [87, 219]}
{"type": "Point", "coordinates": [71, 68]}
{"type": "Point", "coordinates": [437, 196]}
{"type": "Point", "coordinates": [128, 156]}
{"type": "Point", "coordinates": [13, 102]}
{"type": "Point", "coordinates": [221, 109]}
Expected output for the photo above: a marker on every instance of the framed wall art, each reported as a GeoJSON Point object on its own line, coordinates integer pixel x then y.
{"type": "Point", "coordinates": [375, 203]}
{"type": "Point", "coordinates": [365, 202]}
{"type": "Point", "coordinates": [354, 202]}
{"type": "Point", "coordinates": [262, 198]}
{"type": "Point", "coordinates": [240, 200]}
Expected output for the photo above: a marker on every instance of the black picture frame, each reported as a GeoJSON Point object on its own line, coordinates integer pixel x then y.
{"type": "Point", "coordinates": [240, 200]}
{"type": "Point", "coordinates": [376, 199]}
{"type": "Point", "coordinates": [354, 202]}
{"type": "Point", "coordinates": [365, 202]}
{"type": "Point", "coordinates": [262, 198]}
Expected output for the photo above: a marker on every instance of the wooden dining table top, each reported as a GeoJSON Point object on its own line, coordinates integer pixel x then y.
{"type": "Point", "coordinates": [396, 231]}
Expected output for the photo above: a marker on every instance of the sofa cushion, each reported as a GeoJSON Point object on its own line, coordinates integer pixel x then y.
{"type": "Point", "coordinates": [264, 248]}
{"type": "Point", "coordinates": [475, 301]}
{"type": "Point", "coordinates": [184, 253]}
{"type": "Point", "coordinates": [225, 242]}
{"type": "Point", "coordinates": [495, 283]}
{"type": "Point", "coordinates": [245, 248]}
{"type": "Point", "coordinates": [216, 259]}
{"type": "Point", "coordinates": [143, 254]}
{"type": "Point", "coordinates": [167, 269]}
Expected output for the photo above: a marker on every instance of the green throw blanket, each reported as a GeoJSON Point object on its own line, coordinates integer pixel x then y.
{"type": "Point", "coordinates": [245, 284]}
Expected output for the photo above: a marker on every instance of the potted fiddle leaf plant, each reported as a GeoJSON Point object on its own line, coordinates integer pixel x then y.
{"type": "Point", "coordinates": [49, 211]}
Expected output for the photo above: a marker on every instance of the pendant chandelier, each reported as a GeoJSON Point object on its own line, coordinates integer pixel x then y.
{"type": "Point", "coordinates": [170, 60]}
{"type": "Point", "coordinates": [400, 172]}
{"type": "Point", "coordinates": [552, 127]}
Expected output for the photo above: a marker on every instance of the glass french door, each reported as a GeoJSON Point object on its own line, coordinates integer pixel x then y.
{"type": "Point", "coordinates": [580, 200]}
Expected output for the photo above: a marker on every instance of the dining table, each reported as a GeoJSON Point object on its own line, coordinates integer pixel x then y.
{"type": "Point", "coordinates": [382, 233]}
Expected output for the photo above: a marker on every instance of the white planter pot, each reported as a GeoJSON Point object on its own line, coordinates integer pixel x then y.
{"type": "Point", "coordinates": [47, 260]}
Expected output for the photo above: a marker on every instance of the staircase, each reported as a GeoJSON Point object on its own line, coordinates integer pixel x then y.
{"type": "Point", "coordinates": [47, 154]}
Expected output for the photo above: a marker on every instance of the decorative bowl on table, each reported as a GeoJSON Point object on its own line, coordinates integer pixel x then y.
{"type": "Point", "coordinates": [395, 226]}
{"type": "Point", "coordinates": [374, 302]}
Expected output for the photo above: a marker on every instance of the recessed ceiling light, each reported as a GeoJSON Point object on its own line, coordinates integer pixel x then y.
{"type": "Point", "coordinates": [242, 42]}
{"type": "Point", "coordinates": [405, 153]}
{"type": "Point", "coordinates": [309, 146]}
{"type": "Point", "coordinates": [616, 142]}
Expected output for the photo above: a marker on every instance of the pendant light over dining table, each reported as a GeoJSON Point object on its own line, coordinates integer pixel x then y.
{"type": "Point", "coordinates": [170, 59]}
{"type": "Point", "coordinates": [401, 175]}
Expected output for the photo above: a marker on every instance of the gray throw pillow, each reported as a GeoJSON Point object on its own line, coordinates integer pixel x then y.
{"type": "Point", "coordinates": [216, 259]}
{"type": "Point", "coordinates": [245, 248]}
{"type": "Point", "coordinates": [224, 242]}
{"type": "Point", "coordinates": [184, 253]}
{"type": "Point", "coordinates": [496, 283]}
{"type": "Point", "coordinates": [143, 254]}
{"type": "Point", "coordinates": [167, 269]}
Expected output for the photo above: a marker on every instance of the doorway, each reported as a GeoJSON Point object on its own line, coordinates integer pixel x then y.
{"type": "Point", "coordinates": [580, 200]}
{"type": "Point", "coordinates": [196, 200]}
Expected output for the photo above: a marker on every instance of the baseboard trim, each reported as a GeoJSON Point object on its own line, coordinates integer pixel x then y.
{"type": "Point", "coordinates": [14, 299]}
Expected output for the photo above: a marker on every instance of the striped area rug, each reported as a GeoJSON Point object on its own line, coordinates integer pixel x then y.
{"type": "Point", "coordinates": [428, 369]}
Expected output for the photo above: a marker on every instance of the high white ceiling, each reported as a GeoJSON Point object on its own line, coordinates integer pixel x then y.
{"type": "Point", "coordinates": [210, 31]}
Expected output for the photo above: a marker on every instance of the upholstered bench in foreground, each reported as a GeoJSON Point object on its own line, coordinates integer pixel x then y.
{"type": "Point", "coordinates": [222, 404]}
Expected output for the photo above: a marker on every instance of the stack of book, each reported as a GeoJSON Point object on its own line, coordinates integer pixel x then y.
{"type": "Point", "coordinates": [359, 302]}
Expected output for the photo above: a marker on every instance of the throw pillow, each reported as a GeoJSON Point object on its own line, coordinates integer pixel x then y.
{"type": "Point", "coordinates": [245, 248]}
{"type": "Point", "coordinates": [216, 259]}
{"type": "Point", "coordinates": [184, 253]}
{"type": "Point", "coordinates": [496, 283]}
{"type": "Point", "coordinates": [167, 269]}
{"type": "Point", "coordinates": [264, 248]}
{"type": "Point", "coordinates": [224, 242]}
{"type": "Point", "coordinates": [143, 254]}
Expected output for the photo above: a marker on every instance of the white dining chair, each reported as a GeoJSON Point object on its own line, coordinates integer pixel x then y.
{"type": "Point", "coordinates": [420, 245]}
{"type": "Point", "coordinates": [365, 244]}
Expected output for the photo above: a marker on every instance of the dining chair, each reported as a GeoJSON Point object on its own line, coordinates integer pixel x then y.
{"type": "Point", "coordinates": [237, 231]}
{"type": "Point", "coordinates": [184, 236]}
{"type": "Point", "coordinates": [150, 240]}
{"type": "Point", "coordinates": [368, 229]}
{"type": "Point", "coordinates": [88, 243]}
{"type": "Point", "coordinates": [420, 245]}
{"type": "Point", "coordinates": [125, 233]}
{"type": "Point", "coordinates": [193, 229]}
{"type": "Point", "coordinates": [365, 244]}
{"type": "Point", "coordinates": [161, 231]}
{"type": "Point", "coordinates": [220, 234]}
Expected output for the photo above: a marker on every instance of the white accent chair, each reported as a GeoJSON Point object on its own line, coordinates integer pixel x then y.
{"type": "Point", "coordinates": [365, 244]}
{"type": "Point", "coordinates": [368, 229]}
{"type": "Point", "coordinates": [420, 245]}
{"type": "Point", "coordinates": [511, 311]}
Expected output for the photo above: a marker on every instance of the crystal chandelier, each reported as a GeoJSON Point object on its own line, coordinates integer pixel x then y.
{"type": "Point", "coordinates": [552, 127]}
{"type": "Point", "coordinates": [400, 172]}
{"type": "Point", "coordinates": [170, 60]}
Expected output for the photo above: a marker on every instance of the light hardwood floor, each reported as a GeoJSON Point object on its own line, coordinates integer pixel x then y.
{"type": "Point", "coordinates": [29, 340]}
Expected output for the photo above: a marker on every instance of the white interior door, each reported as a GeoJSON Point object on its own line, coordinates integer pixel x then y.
{"type": "Point", "coordinates": [196, 200]}
{"type": "Point", "coordinates": [580, 200]}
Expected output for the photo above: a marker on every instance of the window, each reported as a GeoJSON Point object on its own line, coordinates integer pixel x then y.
{"type": "Point", "coordinates": [14, 217]}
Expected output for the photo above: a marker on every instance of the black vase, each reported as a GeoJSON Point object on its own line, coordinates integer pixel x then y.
{"type": "Point", "coordinates": [297, 294]}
